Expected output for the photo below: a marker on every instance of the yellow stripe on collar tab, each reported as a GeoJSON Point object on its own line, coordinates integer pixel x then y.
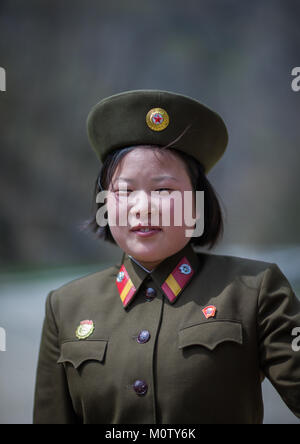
{"type": "Point", "coordinates": [173, 285]}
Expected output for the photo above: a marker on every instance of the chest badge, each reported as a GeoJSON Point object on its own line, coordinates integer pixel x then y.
{"type": "Point", "coordinates": [85, 329]}
{"type": "Point", "coordinates": [209, 311]}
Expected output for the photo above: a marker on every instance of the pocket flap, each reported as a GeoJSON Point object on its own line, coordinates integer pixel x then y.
{"type": "Point", "coordinates": [210, 334]}
{"type": "Point", "coordinates": [76, 352]}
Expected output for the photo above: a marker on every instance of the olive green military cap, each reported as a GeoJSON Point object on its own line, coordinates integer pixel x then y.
{"type": "Point", "coordinates": [151, 117]}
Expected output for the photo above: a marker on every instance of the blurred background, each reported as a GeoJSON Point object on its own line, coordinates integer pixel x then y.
{"type": "Point", "coordinates": [63, 56]}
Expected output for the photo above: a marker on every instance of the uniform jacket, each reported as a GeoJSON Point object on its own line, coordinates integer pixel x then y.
{"type": "Point", "coordinates": [189, 342]}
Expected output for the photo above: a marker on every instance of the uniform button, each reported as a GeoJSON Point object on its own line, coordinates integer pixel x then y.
{"type": "Point", "coordinates": [140, 387]}
{"type": "Point", "coordinates": [143, 337]}
{"type": "Point", "coordinates": [150, 293]}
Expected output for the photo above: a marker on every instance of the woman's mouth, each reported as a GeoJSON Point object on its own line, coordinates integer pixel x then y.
{"type": "Point", "coordinates": [145, 231]}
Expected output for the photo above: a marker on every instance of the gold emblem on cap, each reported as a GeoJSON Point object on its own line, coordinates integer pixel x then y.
{"type": "Point", "coordinates": [85, 329]}
{"type": "Point", "coordinates": [157, 119]}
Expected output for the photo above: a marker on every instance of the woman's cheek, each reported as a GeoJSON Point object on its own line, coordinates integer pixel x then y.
{"type": "Point", "coordinates": [176, 211]}
{"type": "Point", "coordinates": [189, 210]}
{"type": "Point", "coordinates": [117, 211]}
{"type": "Point", "coordinates": [111, 210]}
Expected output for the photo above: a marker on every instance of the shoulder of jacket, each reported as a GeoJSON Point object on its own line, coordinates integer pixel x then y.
{"type": "Point", "coordinates": [86, 284]}
{"type": "Point", "coordinates": [228, 268]}
{"type": "Point", "coordinates": [229, 261]}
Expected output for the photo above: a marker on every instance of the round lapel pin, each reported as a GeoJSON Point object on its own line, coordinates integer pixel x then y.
{"type": "Point", "coordinates": [85, 329]}
{"type": "Point", "coordinates": [185, 269]}
{"type": "Point", "coordinates": [157, 119]}
{"type": "Point", "coordinates": [120, 276]}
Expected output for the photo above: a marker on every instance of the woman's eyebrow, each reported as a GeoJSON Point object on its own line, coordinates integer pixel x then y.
{"type": "Point", "coordinates": [154, 179]}
{"type": "Point", "coordinates": [123, 178]}
{"type": "Point", "coordinates": [158, 178]}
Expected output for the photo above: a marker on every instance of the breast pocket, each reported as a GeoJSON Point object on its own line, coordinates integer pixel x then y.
{"type": "Point", "coordinates": [211, 334]}
{"type": "Point", "coordinates": [78, 352]}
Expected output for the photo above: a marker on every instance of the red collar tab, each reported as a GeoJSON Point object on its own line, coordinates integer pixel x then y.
{"type": "Point", "coordinates": [125, 286]}
{"type": "Point", "coordinates": [178, 279]}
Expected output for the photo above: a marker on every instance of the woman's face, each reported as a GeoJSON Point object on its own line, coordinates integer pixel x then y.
{"type": "Point", "coordinates": [131, 203]}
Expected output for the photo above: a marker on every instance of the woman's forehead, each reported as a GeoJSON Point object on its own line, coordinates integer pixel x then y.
{"type": "Point", "coordinates": [164, 160]}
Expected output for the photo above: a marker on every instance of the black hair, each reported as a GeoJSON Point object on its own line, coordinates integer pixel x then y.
{"type": "Point", "coordinates": [213, 219]}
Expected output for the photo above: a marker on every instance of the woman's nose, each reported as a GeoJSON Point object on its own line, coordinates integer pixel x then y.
{"type": "Point", "coordinates": [142, 207]}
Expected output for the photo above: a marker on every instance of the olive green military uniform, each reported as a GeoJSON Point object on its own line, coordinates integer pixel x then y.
{"type": "Point", "coordinates": [198, 356]}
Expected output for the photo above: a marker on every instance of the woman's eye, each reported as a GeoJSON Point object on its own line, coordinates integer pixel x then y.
{"type": "Point", "coordinates": [123, 192]}
{"type": "Point", "coordinates": [163, 189]}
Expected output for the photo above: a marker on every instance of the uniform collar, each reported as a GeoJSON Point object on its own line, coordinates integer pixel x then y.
{"type": "Point", "coordinates": [171, 276]}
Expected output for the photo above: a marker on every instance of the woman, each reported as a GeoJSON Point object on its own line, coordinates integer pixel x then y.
{"type": "Point", "coordinates": [169, 335]}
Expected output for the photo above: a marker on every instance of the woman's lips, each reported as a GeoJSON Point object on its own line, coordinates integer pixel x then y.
{"type": "Point", "coordinates": [145, 231]}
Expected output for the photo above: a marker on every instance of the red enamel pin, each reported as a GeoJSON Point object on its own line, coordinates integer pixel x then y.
{"type": "Point", "coordinates": [209, 311]}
